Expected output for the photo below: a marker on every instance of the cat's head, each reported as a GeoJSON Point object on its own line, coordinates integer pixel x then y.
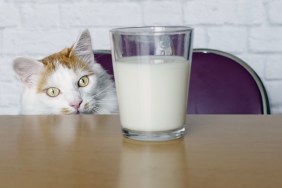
{"type": "Point", "coordinates": [62, 83]}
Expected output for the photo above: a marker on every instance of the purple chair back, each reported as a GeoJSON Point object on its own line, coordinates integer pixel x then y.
{"type": "Point", "coordinates": [104, 58]}
{"type": "Point", "coordinates": [220, 83]}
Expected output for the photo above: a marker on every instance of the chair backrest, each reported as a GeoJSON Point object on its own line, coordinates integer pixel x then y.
{"type": "Point", "coordinates": [104, 58]}
{"type": "Point", "coordinates": [220, 83]}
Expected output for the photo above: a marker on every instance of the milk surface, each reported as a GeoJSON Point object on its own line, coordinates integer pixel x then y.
{"type": "Point", "coordinates": [152, 94]}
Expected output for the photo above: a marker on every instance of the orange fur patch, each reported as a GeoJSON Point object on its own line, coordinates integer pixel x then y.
{"type": "Point", "coordinates": [66, 58]}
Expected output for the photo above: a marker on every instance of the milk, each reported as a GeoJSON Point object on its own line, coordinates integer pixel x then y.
{"type": "Point", "coordinates": [152, 96]}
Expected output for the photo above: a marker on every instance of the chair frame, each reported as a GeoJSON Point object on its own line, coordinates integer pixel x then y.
{"type": "Point", "coordinates": [263, 92]}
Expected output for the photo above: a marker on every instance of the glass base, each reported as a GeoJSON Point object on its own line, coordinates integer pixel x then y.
{"type": "Point", "coordinates": [154, 136]}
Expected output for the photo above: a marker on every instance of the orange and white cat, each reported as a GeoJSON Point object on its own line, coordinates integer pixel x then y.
{"type": "Point", "coordinates": [67, 82]}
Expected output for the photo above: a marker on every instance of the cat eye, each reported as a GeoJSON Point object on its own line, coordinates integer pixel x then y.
{"type": "Point", "coordinates": [83, 81]}
{"type": "Point", "coordinates": [52, 92]}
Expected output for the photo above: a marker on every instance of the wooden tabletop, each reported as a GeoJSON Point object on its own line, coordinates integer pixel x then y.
{"type": "Point", "coordinates": [78, 151]}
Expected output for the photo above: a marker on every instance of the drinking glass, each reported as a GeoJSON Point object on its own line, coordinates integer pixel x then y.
{"type": "Point", "coordinates": [152, 70]}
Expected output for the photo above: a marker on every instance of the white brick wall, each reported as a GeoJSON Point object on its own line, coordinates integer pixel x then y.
{"type": "Point", "coordinates": [274, 10]}
{"type": "Point", "coordinates": [10, 11]}
{"type": "Point", "coordinates": [166, 13]}
{"type": "Point", "coordinates": [32, 15]}
{"type": "Point", "coordinates": [227, 36]}
{"type": "Point", "coordinates": [219, 12]}
{"type": "Point", "coordinates": [251, 29]}
{"type": "Point", "coordinates": [89, 14]}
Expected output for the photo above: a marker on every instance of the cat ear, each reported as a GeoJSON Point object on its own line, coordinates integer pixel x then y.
{"type": "Point", "coordinates": [83, 48]}
{"type": "Point", "coordinates": [28, 70]}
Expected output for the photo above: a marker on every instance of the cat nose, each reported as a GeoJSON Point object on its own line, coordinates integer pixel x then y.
{"type": "Point", "coordinates": [76, 104]}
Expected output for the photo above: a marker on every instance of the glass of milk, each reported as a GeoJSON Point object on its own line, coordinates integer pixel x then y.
{"type": "Point", "coordinates": [152, 70]}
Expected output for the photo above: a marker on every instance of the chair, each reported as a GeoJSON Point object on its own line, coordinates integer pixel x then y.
{"type": "Point", "coordinates": [220, 83]}
{"type": "Point", "coordinates": [104, 58]}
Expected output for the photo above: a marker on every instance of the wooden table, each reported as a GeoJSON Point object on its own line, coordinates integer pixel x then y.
{"type": "Point", "coordinates": [89, 151]}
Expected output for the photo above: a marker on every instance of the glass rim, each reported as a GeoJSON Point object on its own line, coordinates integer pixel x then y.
{"type": "Point", "coordinates": [149, 30]}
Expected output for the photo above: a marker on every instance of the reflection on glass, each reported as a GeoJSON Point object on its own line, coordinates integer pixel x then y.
{"type": "Point", "coordinates": [145, 164]}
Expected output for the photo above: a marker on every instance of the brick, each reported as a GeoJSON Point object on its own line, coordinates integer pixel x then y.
{"type": "Point", "coordinates": [224, 12]}
{"type": "Point", "coordinates": [230, 39]}
{"type": "Point", "coordinates": [200, 38]}
{"type": "Point", "coordinates": [37, 42]}
{"type": "Point", "coordinates": [101, 14]}
{"type": "Point", "coordinates": [44, 1]}
{"type": "Point", "coordinates": [274, 94]}
{"type": "Point", "coordinates": [265, 39]}
{"type": "Point", "coordinates": [12, 95]}
{"type": "Point", "coordinates": [9, 15]}
{"type": "Point", "coordinates": [10, 110]}
{"type": "Point", "coordinates": [164, 13]}
{"type": "Point", "coordinates": [6, 70]}
{"type": "Point", "coordinates": [1, 39]}
{"type": "Point", "coordinates": [273, 67]}
{"type": "Point", "coordinates": [274, 11]}
{"type": "Point", "coordinates": [100, 38]}
{"type": "Point", "coordinates": [256, 62]}
{"type": "Point", "coordinates": [40, 15]}
{"type": "Point", "coordinates": [21, 1]}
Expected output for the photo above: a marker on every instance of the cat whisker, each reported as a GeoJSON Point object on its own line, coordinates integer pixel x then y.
{"type": "Point", "coordinates": [105, 102]}
{"type": "Point", "coordinates": [108, 99]}
{"type": "Point", "coordinates": [101, 111]}
{"type": "Point", "coordinates": [95, 108]}
{"type": "Point", "coordinates": [102, 91]}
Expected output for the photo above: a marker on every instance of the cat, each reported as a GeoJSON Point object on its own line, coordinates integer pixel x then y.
{"type": "Point", "coordinates": [66, 82]}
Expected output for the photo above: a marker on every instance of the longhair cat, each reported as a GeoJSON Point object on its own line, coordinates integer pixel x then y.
{"type": "Point", "coordinates": [67, 82]}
